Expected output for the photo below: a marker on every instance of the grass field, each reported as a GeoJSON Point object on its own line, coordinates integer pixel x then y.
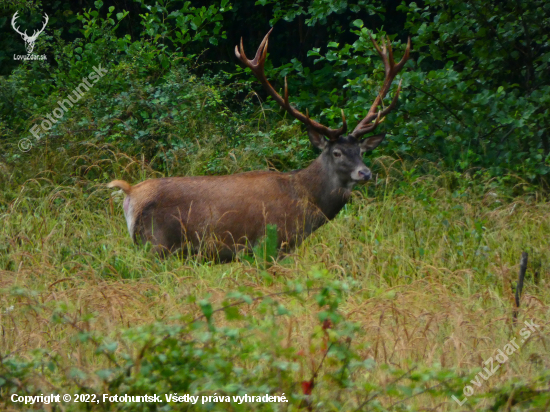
{"type": "Point", "coordinates": [394, 305]}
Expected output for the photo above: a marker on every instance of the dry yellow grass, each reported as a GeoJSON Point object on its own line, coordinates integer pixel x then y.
{"type": "Point", "coordinates": [430, 268]}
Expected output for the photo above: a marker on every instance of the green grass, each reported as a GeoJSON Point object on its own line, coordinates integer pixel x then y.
{"type": "Point", "coordinates": [416, 277]}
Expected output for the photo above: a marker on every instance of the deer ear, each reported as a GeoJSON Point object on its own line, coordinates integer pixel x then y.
{"type": "Point", "coordinates": [371, 143]}
{"type": "Point", "coordinates": [316, 139]}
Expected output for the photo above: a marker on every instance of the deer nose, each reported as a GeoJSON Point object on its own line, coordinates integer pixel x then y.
{"type": "Point", "coordinates": [365, 174]}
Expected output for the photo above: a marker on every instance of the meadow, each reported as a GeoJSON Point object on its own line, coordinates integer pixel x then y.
{"type": "Point", "coordinates": [409, 300]}
{"type": "Point", "coordinates": [394, 305]}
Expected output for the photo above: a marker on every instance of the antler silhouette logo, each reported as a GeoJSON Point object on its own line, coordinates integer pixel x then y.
{"type": "Point", "coordinates": [29, 40]}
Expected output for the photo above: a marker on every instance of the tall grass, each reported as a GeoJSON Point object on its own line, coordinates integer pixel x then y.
{"type": "Point", "coordinates": [422, 263]}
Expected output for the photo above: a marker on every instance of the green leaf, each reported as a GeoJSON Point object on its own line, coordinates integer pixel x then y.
{"type": "Point", "coordinates": [232, 312]}
{"type": "Point", "coordinates": [206, 308]}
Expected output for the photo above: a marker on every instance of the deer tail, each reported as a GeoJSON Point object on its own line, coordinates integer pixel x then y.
{"type": "Point", "coordinates": [121, 184]}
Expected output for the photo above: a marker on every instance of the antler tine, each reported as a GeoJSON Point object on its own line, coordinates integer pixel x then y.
{"type": "Point", "coordinates": [405, 55]}
{"type": "Point", "coordinates": [240, 53]}
{"type": "Point", "coordinates": [394, 100]}
{"type": "Point", "coordinates": [391, 70]}
{"type": "Point", "coordinates": [376, 46]}
{"type": "Point", "coordinates": [261, 53]}
{"type": "Point", "coordinates": [390, 53]}
{"type": "Point", "coordinates": [368, 127]}
{"type": "Point", "coordinates": [257, 67]}
{"type": "Point", "coordinates": [287, 103]}
{"type": "Point", "coordinates": [344, 123]}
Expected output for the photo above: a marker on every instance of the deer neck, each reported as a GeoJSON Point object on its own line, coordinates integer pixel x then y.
{"type": "Point", "coordinates": [322, 188]}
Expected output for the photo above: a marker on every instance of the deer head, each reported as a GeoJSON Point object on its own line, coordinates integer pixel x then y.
{"type": "Point", "coordinates": [29, 40]}
{"type": "Point", "coordinates": [341, 155]}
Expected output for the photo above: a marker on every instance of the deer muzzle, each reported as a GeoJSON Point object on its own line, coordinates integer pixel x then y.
{"type": "Point", "coordinates": [361, 174]}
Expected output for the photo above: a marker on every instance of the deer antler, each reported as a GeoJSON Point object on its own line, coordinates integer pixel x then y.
{"type": "Point", "coordinates": [391, 70]}
{"type": "Point", "coordinates": [35, 34]}
{"type": "Point", "coordinates": [257, 67]}
{"type": "Point", "coordinates": [26, 37]}
{"type": "Point", "coordinates": [15, 16]}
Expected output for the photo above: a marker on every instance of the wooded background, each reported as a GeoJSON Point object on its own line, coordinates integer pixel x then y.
{"type": "Point", "coordinates": [475, 93]}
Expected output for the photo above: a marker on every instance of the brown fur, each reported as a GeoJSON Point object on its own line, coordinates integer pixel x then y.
{"type": "Point", "coordinates": [224, 214]}
{"type": "Point", "coordinates": [121, 184]}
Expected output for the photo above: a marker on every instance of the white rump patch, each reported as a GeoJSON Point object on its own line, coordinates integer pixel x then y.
{"type": "Point", "coordinates": [129, 215]}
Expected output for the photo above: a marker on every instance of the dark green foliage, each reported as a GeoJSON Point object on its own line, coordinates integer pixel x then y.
{"type": "Point", "coordinates": [475, 94]}
{"type": "Point", "coordinates": [483, 75]}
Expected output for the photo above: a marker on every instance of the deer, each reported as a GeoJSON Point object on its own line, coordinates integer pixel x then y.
{"type": "Point", "coordinates": [29, 40]}
{"type": "Point", "coordinates": [229, 214]}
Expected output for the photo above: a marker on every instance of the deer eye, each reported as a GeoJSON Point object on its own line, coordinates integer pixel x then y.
{"type": "Point", "coordinates": [337, 153]}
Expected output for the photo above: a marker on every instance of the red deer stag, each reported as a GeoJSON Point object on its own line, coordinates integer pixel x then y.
{"type": "Point", "coordinates": [227, 214]}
